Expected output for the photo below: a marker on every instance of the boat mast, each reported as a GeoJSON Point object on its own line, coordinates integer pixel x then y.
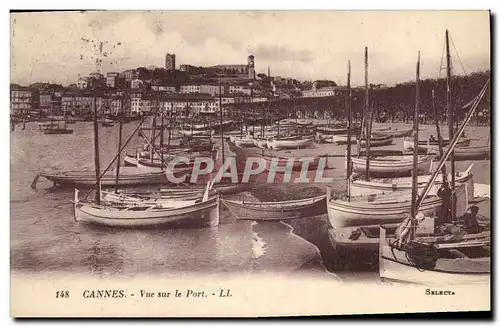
{"type": "Point", "coordinates": [349, 120]}
{"type": "Point", "coordinates": [118, 154]}
{"type": "Point", "coordinates": [221, 128]}
{"type": "Point", "coordinates": [162, 129]}
{"type": "Point", "coordinates": [440, 142]}
{"type": "Point", "coordinates": [367, 103]}
{"type": "Point", "coordinates": [449, 107]}
{"type": "Point", "coordinates": [152, 137]}
{"type": "Point", "coordinates": [414, 179]}
{"type": "Point", "coordinates": [96, 154]}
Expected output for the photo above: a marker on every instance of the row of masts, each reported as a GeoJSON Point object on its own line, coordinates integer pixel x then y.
{"type": "Point", "coordinates": [367, 122]}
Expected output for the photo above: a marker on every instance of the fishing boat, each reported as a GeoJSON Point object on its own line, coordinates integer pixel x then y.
{"type": "Point", "coordinates": [473, 153]}
{"type": "Point", "coordinates": [282, 210]}
{"type": "Point", "coordinates": [128, 176]}
{"type": "Point", "coordinates": [337, 131]}
{"type": "Point", "coordinates": [282, 162]}
{"type": "Point", "coordinates": [200, 213]}
{"type": "Point", "coordinates": [429, 263]}
{"type": "Point", "coordinates": [461, 256]}
{"type": "Point", "coordinates": [392, 165]}
{"type": "Point", "coordinates": [386, 208]}
{"type": "Point", "coordinates": [431, 145]}
{"type": "Point", "coordinates": [384, 185]}
{"type": "Point", "coordinates": [196, 133]}
{"type": "Point", "coordinates": [278, 144]}
{"type": "Point", "coordinates": [374, 141]}
{"type": "Point", "coordinates": [393, 132]}
{"type": "Point", "coordinates": [244, 142]}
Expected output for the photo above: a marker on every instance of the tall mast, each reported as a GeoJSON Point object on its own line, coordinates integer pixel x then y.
{"type": "Point", "coordinates": [414, 179]}
{"type": "Point", "coordinates": [349, 120]}
{"type": "Point", "coordinates": [221, 122]}
{"type": "Point", "coordinates": [449, 107]}
{"type": "Point", "coordinates": [96, 154]}
{"type": "Point", "coordinates": [161, 135]}
{"type": "Point", "coordinates": [367, 103]}
{"type": "Point", "coordinates": [152, 137]}
{"type": "Point", "coordinates": [440, 141]}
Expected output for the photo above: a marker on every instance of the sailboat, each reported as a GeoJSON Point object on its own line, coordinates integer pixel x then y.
{"type": "Point", "coordinates": [201, 212]}
{"type": "Point", "coordinates": [455, 257]}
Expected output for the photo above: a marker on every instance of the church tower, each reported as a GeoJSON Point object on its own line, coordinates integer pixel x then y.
{"type": "Point", "coordinates": [251, 67]}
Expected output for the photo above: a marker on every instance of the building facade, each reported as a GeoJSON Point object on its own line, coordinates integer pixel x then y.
{"type": "Point", "coordinates": [23, 100]}
{"type": "Point", "coordinates": [112, 79]}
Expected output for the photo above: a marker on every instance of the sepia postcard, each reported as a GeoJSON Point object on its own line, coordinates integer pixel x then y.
{"type": "Point", "coordinates": [249, 163]}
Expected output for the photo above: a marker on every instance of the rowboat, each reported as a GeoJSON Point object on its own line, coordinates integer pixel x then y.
{"type": "Point", "coordinates": [392, 165]}
{"type": "Point", "coordinates": [431, 146]}
{"type": "Point", "coordinates": [447, 265]}
{"type": "Point", "coordinates": [58, 131]}
{"type": "Point", "coordinates": [380, 185]}
{"type": "Point", "coordinates": [394, 132]}
{"type": "Point", "coordinates": [282, 210]}
{"type": "Point", "coordinates": [337, 131]}
{"type": "Point", "coordinates": [129, 176]}
{"type": "Point", "coordinates": [193, 133]}
{"type": "Point", "coordinates": [148, 198]}
{"type": "Point", "coordinates": [289, 144]}
{"type": "Point", "coordinates": [201, 213]}
{"type": "Point", "coordinates": [260, 143]}
{"type": "Point", "coordinates": [244, 142]}
{"type": "Point", "coordinates": [387, 208]}
{"type": "Point", "coordinates": [281, 162]}
{"type": "Point", "coordinates": [374, 141]}
{"type": "Point", "coordinates": [473, 153]}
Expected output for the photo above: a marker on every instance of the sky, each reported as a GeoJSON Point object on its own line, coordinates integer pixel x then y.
{"type": "Point", "coordinates": [307, 45]}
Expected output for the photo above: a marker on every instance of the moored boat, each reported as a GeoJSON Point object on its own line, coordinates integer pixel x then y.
{"type": "Point", "coordinates": [380, 185]}
{"type": "Point", "coordinates": [394, 132]}
{"type": "Point", "coordinates": [278, 144]}
{"type": "Point", "coordinates": [392, 165]}
{"type": "Point", "coordinates": [281, 210]}
{"type": "Point", "coordinates": [244, 142]}
{"type": "Point", "coordinates": [201, 213]}
{"type": "Point", "coordinates": [374, 141]}
{"type": "Point", "coordinates": [443, 265]}
{"type": "Point", "coordinates": [382, 208]}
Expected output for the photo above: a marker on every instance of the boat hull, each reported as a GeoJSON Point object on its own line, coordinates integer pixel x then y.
{"type": "Point", "coordinates": [284, 210]}
{"type": "Point", "coordinates": [391, 167]}
{"type": "Point", "coordinates": [374, 186]}
{"type": "Point", "coordinates": [394, 133]}
{"type": "Point", "coordinates": [394, 266]}
{"type": "Point", "coordinates": [87, 179]}
{"type": "Point", "coordinates": [384, 209]}
{"type": "Point", "coordinates": [289, 144]}
{"type": "Point", "coordinates": [203, 214]}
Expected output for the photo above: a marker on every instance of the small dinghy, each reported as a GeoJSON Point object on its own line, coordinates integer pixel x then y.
{"type": "Point", "coordinates": [281, 210]}
{"type": "Point", "coordinates": [278, 144]}
{"type": "Point", "coordinates": [392, 165]}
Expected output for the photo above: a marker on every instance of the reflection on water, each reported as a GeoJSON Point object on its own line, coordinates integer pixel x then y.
{"type": "Point", "coordinates": [45, 237]}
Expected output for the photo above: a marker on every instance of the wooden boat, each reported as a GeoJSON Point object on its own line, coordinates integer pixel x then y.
{"type": "Point", "coordinates": [387, 208]}
{"type": "Point", "coordinates": [431, 146]}
{"type": "Point", "coordinates": [374, 141]}
{"type": "Point", "coordinates": [282, 210]}
{"type": "Point", "coordinates": [338, 131]}
{"type": "Point", "coordinates": [394, 132]}
{"type": "Point", "coordinates": [129, 176]}
{"type": "Point", "coordinates": [193, 133]}
{"type": "Point", "coordinates": [392, 165]}
{"type": "Point", "coordinates": [450, 264]}
{"type": "Point", "coordinates": [58, 131]}
{"type": "Point", "coordinates": [380, 185]}
{"type": "Point", "coordinates": [473, 153]}
{"type": "Point", "coordinates": [297, 162]}
{"type": "Point", "coordinates": [260, 143]}
{"type": "Point", "coordinates": [289, 144]}
{"type": "Point", "coordinates": [198, 214]}
{"type": "Point", "coordinates": [244, 142]}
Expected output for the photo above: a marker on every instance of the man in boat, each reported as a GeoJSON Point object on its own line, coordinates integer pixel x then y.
{"type": "Point", "coordinates": [469, 220]}
{"type": "Point", "coordinates": [444, 211]}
